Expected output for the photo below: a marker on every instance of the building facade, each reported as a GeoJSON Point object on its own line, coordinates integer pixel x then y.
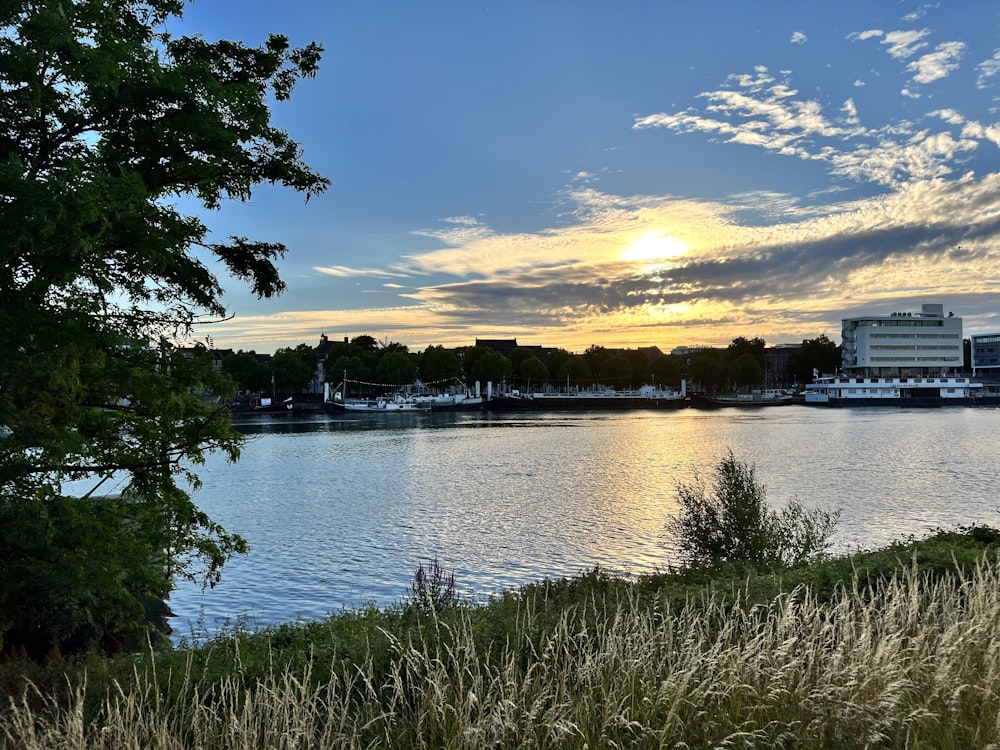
{"type": "Point", "coordinates": [903, 344]}
{"type": "Point", "coordinates": [985, 353]}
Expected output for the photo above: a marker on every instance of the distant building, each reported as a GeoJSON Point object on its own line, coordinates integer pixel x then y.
{"type": "Point", "coordinates": [504, 346]}
{"type": "Point", "coordinates": [903, 344]}
{"type": "Point", "coordinates": [686, 352]}
{"type": "Point", "coordinates": [778, 370]}
{"type": "Point", "coordinates": [985, 353]}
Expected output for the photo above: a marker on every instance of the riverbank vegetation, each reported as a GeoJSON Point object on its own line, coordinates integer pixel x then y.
{"type": "Point", "coordinates": [888, 648]}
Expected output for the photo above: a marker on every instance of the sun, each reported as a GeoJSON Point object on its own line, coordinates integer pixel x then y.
{"type": "Point", "coordinates": [655, 246]}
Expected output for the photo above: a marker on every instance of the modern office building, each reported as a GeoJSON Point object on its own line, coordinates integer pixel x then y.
{"type": "Point", "coordinates": [903, 344]}
{"type": "Point", "coordinates": [985, 353]}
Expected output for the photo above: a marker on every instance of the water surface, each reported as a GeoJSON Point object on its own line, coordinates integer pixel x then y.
{"type": "Point", "coordinates": [340, 511]}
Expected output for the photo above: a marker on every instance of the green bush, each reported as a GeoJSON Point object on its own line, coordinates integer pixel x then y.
{"type": "Point", "coordinates": [733, 524]}
{"type": "Point", "coordinates": [433, 588]}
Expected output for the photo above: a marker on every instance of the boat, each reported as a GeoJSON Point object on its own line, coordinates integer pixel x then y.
{"type": "Point", "coordinates": [754, 399]}
{"type": "Point", "coordinates": [257, 404]}
{"type": "Point", "coordinates": [380, 405]}
{"type": "Point", "coordinates": [950, 390]}
{"type": "Point", "coordinates": [454, 402]}
{"type": "Point", "coordinates": [647, 397]}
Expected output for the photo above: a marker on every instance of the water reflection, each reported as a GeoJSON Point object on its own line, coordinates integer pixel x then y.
{"type": "Point", "coordinates": [339, 511]}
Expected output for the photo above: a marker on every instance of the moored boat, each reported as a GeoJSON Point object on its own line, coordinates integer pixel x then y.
{"type": "Point", "coordinates": [927, 391]}
{"type": "Point", "coordinates": [647, 397]}
{"type": "Point", "coordinates": [380, 405]}
{"type": "Point", "coordinates": [754, 399]}
{"type": "Point", "coordinates": [257, 404]}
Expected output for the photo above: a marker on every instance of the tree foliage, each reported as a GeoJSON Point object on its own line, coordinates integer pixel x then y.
{"type": "Point", "coordinates": [247, 371]}
{"type": "Point", "coordinates": [732, 522]}
{"type": "Point", "coordinates": [396, 368]}
{"type": "Point", "coordinates": [819, 354]}
{"type": "Point", "coordinates": [490, 366]}
{"type": "Point", "coordinates": [746, 371]}
{"type": "Point", "coordinates": [708, 371]}
{"type": "Point", "coordinates": [107, 124]}
{"type": "Point", "coordinates": [438, 363]}
{"type": "Point", "coordinates": [294, 368]}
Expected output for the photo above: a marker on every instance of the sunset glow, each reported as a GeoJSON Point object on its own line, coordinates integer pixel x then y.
{"type": "Point", "coordinates": [575, 174]}
{"type": "Point", "coordinates": [654, 246]}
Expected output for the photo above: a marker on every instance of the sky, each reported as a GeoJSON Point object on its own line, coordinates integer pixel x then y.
{"type": "Point", "coordinates": [573, 173]}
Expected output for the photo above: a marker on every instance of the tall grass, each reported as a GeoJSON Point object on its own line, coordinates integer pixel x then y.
{"type": "Point", "coordinates": [911, 662]}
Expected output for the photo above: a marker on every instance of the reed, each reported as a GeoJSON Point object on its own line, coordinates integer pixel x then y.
{"type": "Point", "coordinates": [911, 661]}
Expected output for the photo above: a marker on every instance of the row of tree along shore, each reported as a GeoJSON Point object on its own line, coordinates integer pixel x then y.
{"type": "Point", "coordinates": [745, 363]}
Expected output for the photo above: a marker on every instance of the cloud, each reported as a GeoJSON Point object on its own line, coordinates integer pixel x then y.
{"type": "Point", "coordinates": [904, 44]}
{"type": "Point", "coordinates": [855, 36]}
{"type": "Point", "coordinates": [564, 284]}
{"type": "Point", "coordinates": [934, 238]}
{"type": "Point", "coordinates": [798, 38]}
{"type": "Point", "coordinates": [346, 271]}
{"type": "Point", "coordinates": [903, 216]}
{"type": "Point", "coordinates": [759, 110]}
{"type": "Point", "coordinates": [987, 69]}
{"type": "Point", "coordinates": [938, 64]}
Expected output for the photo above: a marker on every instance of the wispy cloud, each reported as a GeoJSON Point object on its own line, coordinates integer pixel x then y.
{"type": "Point", "coordinates": [904, 44]}
{"type": "Point", "coordinates": [937, 64]}
{"type": "Point", "coordinates": [346, 271]}
{"type": "Point", "coordinates": [987, 69]}
{"type": "Point", "coordinates": [798, 38]}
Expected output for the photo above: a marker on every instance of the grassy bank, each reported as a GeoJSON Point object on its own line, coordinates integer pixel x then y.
{"type": "Point", "coordinates": [895, 648]}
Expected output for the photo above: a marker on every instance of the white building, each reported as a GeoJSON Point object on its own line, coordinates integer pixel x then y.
{"type": "Point", "coordinates": [903, 344]}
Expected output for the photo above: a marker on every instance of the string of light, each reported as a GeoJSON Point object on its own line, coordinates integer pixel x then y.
{"type": "Point", "coordinates": [397, 385]}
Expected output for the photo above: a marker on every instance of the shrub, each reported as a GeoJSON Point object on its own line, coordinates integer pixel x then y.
{"type": "Point", "coordinates": [433, 588]}
{"type": "Point", "coordinates": [734, 524]}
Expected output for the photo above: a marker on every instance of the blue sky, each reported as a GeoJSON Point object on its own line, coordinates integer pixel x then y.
{"type": "Point", "coordinates": [625, 174]}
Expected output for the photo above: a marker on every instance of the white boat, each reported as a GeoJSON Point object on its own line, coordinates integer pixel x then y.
{"type": "Point", "coordinates": [646, 397]}
{"type": "Point", "coordinates": [454, 402]}
{"type": "Point", "coordinates": [942, 390]}
{"type": "Point", "coordinates": [381, 405]}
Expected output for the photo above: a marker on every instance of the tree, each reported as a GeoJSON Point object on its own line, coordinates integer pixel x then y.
{"type": "Point", "coordinates": [746, 371]}
{"type": "Point", "coordinates": [247, 371]}
{"type": "Point", "coordinates": [294, 369]}
{"type": "Point", "coordinates": [349, 367]}
{"type": "Point", "coordinates": [818, 354]}
{"type": "Point", "coordinates": [491, 367]}
{"type": "Point", "coordinates": [667, 370]}
{"type": "Point", "coordinates": [616, 371]}
{"type": "Point", "coordinates": [579, 372]}
{"type": "Point", "coordinates": [708, 370]}
{"type": "Point", "coordinates": [438, 364]}
{"type": "Point", "coordinates": [396, 368]}
{"type": "Point", "coordinates": [734, 524]}
{"type": "Point", "coordinates": [596, 356]}
{"type": "Point", "coordinates": [742, 346]}
{"type": "Point", "coordinates": [108, 124]}
{"type": "Point", "coordinates": [533, 371]}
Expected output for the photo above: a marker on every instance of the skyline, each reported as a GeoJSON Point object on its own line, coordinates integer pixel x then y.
{"type": "Point", "coordinates": [577, 173]}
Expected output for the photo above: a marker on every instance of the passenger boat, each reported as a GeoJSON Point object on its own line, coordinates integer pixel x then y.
{"type": "Point", "coordinates": [379, 405]}
{"type": "Point", "coordinates": [951, 390]}
{"type": "Point", "coordinates": [647, 397]}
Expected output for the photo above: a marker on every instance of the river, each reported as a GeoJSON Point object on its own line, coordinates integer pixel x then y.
{"type": "Point", "coordinates": [339, 511]}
